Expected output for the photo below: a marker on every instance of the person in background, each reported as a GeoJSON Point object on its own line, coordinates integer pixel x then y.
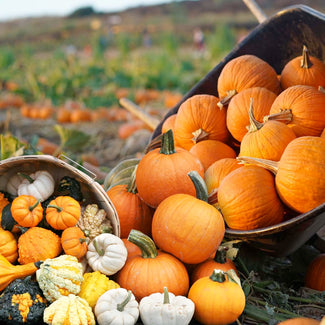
{"type": "Point", "coordinates": [198, 39]}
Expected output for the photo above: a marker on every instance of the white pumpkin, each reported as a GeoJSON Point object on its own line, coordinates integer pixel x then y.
{"type": "Point", "coordinates": [13, 184]}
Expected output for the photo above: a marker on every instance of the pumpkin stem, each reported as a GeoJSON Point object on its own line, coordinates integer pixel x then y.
{"type": "Point", "coordinates": [144, 242]}
{"type": "Point", "coordinates": [84, 240]}
{"type": "Point", "coordinates": [104, 229]}
{"type": "Point", "coordinates": [131, 186]}
{"type": "Point", "coordinates": [31, 180]}
{"type": "Point", "coordinates": [200, 186]}
{"type": "Point", "coordinates": [221, 255]}
{"type": "Point", "coordinates": [120, 307]}
{"type": "Point", "coordinates": [305, 61]}
{"type": "Point", "coordinates": [284, 116]}
{"type": "Point", "coordinates": [166, 296]}
{"type": "Point", "coordinates": [218, 276]}
{"type": "Point", "coordinates": [254, 124]}
{"type": "Point", "coordinates": [32, 207]}
{"type": "Point", "coordinates": [55, 207]}
{"type": "Point", "coordinates": [100, 252]}
{"type": "Point", "coordinates": [270, 165]}
{"type": "Point", "coordinates": [225, 100]}
{"type": "Point", "coordinates": [213, 196]}
{"type": "Point", "coordinates": [199, 135]}
{"type": "Point", "coordinates": [167, 143]}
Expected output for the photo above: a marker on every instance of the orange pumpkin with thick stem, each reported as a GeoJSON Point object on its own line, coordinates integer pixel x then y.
{"type": "Point", "coordinates": [237, 110]}
{"type": "Point", "coordinates": [163, 172]}
{"type": "Point", "coordinates": [63, 212]}
{"type": "Point", "coordinates": [209, 151]}
{"type": "Point", "coordinates": [27, 210]}
{"type": "Point", "coordinates": [199, 118]}
{"type": "Point", "coordinates": [248, 199]}
{"type": "Point", "coordinates": [74, 242]}
{"type": "Point", "coordinates": [303, 70]}
{"type": "Point", "coordinates": [306, 107]}
{"type": "Point", "coordinates": [265, 140]}
{"type": "Point", "coordinates": [188, 227]}
{"type": "Point", "coordinates": [132, 211]}
{"type": "Point", "coordinates": [8, 245]}
{"type": "Point", "coordinates": [315, 274]}
{"type": "Point", "coordinates": [301, 154]}
{"type": "Point", "coordinates": [153, 270]}
{"type": "Point", "coordinates": [245, 72]}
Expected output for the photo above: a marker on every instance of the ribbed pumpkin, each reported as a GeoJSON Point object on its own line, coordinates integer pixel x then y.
{"type": "Point", "coordinates": [169, 123]}
{"type": "Point", "coordinates": [38, 244]}
{"type": "Point", "coordinates": [300, 170]}
{"type": "Point", "coordinates": [315, 274]}
{"type": "Point", "coordinates": [216, 173]}
{"type": "Point", "coordinates": [323, 134]}
{"type": "Point", "coordinates": [209, 151]}
{"type": "Point", "coordinates": [163, 172]}
{"type": "Point", "coordinates": [132, 211]}
{"type": "Point", "coordinates": [74, 242]}
{"type": "Point", "coordinates": [8, 245]}
{"type": "Point", "coordinates": [131, 248]}
{"type": "Point", "coordinates": [199, 118]}
{"type": "Point", "coordinates": [248, 200]}
{"type": "Point", "coordinates": [153, 270]}
{"type": "Point", "coordinates": [244, 72]}
{"type": "Point", "coordinates": [265, 140]}
{"type": "Point", "coordinates": [300, 321]}
{"type": "Point", "coordinates": [237, 111]}
{"type": "Point", "coordinates": [188, 227]}
{"type": "Point", "coordinates": [307, 106]}
{"type": "Point", "coordinates": [303, 70]}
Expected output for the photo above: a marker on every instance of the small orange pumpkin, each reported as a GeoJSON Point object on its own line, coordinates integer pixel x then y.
{"type": "Point", "coordinates": [169, 123]}
{"type": "Point", "coordinates": [63, 212]}
{"type": "Point", "coordinates": [74, 242]}
{"type": "Point", "coordinates": [315, 275]}
{"type": "Point", "coordinates": [8, 245]}
{"type": "Point", "coordinates": [300, 321]}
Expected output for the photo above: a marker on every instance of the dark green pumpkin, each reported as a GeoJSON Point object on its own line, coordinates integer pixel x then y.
{"type": "Point", "coordinates": [13, 296]}
{"type": "Point", "coordinates": [69, 186]}
{"type": "Point", "coordinates": [7, 221]}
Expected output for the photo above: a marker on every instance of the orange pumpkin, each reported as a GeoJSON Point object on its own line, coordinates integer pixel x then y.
{"type": "Point", "coordinates": [223, 300]}
{"type": "Point", "coordinates": [163, 172]}
{"type": "Point", "coordinates": [169, 123]}
{"type": "Point", "coordinates": [248, 199]}
{"type": "Point", "coordinates": [74, 242]}
{"type": "Point", "coordinates": [8, 245]}
{"type": "Point", "coordinates": [300, 321]}
{"type": "Point", "coordinates": [199, 118]}
{"type": "Point", "coordinates": [126, 129]}
{"type": "Point", "coordinates": [153, 270]}
{"type": "Point", "coordinates": [63, 212]}
{"type": "Point", "coordinates": [27, 210]}
{"type": "Point", "coordinates": [265, 140]}
{"type": "Point", "coordinates": [132, 249]}
{"type": "Point", "coordinates": [209, 151]}
{"type": "Point", "coordinates": [63, 115]}
{"type": "Point", "coordinates": [237, 111]}
{"type": "Point", "coordinates": [245, 72]}
{"type": "Point", "coordinates": [323, 134]}
{"type": "Point", "coordinates": [303, 70]}
{"type": "Point", "coordinates": [188, 227]}
{"type": "Point", "coordinates": [315, 274]}
{"type": "Point", "coordinates": [307, 107]}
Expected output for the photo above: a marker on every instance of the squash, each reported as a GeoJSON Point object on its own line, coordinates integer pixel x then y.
{"type": "Point", "coordinates": [301, 154]}
{"type": "Point", "coordinates": [63, 212]}
{"type": "Point", "coordinates": [153, 270]}
{"type": "Point", "coordinates": [8, 245]}
{"type": "Point", "coordinates": [223, 300]}
{"type": "Point", "coordinates": [38, 244]}
{"type": "Point", "coordinates": [27, 210]}
{"type": "Point", "coordinates": [13, 184]}
{"type": "Point", "coordinates": [163, 172]}
{"type": "Point", "coordinates": [94, 285]}
{"type": "Point", "coordinates": [7, 221]}
{"type": "Point", "coordinates": [74, 242]}
{"type": "Point", "coordinates": [22, 302]}
{"type": "Point", "coordinates": [303, 70]}
{"type": "Point", "coordinates": [315, 274]}
{"type": "Point", "coordinates": [237, 110]}
{"type": "Point", "coordinates": [248, 199]}
{"type": "Point", "coordinates": [265, 140]}
{"type": "Point", "coordinates": [69, 310]}
{"type": "Point", "coordinates": [306, 107]}
{"type": "Point", "coordinates": [243, 72]}
{"type": "Point", "coordinates": [209, 151]}
{"type": "Point", "coordinates": [188, 227]}
{"type": "Point", "coordinates": [3, 202]}
{"type": "Point", "coordinates": [69, 186]}
{"type": "Point", "coordinates": [60, 276]}
{"type": "Point", "coordinates": [199, 118]}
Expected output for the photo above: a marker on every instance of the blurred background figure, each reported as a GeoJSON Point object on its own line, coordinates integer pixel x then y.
{"type": "Point", "coordinates": [146, 38]}
{"type": "Point", "coordinates": [198, 39]}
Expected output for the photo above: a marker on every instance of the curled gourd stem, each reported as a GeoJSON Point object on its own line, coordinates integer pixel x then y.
{"type": "Point", "coordinates": [225, 101]}
{"type": "Point", "coordinates": [144, 242]}
{"type": "Point", "coordinates": [284, 116]}
{"type": "Point", "coordinates": [166, 296]}
{"type": "Point", "coordinates": [305, 61]}
{"type": "Point", "coordinates": [32, 207]}
{"type": "Point", "coordinates": [167, 143]}
{"type": "Point", "coordinates": [254, 124]}
{"type": "Point", "coordinates": [200, 186]}
{"type": "Point", "coordinates": [120, 307]}
{"type": "Point", "coordinates": [270, 165]}
{"type": "Point", "coordinates": [100, 252]}
{"type": "Point", "coordinates": [199, 135]}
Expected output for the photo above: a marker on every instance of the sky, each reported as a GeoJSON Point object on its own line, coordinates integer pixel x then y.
{"type": "Point", "coordinates": [11, 9]}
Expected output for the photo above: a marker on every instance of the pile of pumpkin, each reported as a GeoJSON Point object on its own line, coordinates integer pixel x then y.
{"type": "Point", "coordinates": [169, 263]}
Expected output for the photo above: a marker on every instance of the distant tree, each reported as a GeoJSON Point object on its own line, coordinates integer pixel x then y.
{"type": "Point", "coordinates": [82, 12]}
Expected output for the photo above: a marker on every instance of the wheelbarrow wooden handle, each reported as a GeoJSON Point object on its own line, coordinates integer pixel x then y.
{"type": "Point", "coordinates": [256, 10]}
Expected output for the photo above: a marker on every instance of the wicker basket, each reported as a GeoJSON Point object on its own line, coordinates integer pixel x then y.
{"type": "Point", "coordinates": [91, 190]}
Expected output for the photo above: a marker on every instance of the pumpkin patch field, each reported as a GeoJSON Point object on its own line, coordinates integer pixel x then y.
{"type": "Point", "coordinates": [217, 217]}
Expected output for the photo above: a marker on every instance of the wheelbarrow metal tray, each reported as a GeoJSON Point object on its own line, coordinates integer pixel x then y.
{"type": "Point", "coordinates": [277, 40]}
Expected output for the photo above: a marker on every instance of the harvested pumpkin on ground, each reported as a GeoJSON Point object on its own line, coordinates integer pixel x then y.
{"type": "Point", "coordinates": [94, 285]}
{"type": "Point", "coordinates": [22, 302]}
{"type": "Point", "coordinates": [59, 277]}
{"type": "Point", "coordinates": [315, 275]}
{"type": "Point", "coordinates": [69, 310]}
